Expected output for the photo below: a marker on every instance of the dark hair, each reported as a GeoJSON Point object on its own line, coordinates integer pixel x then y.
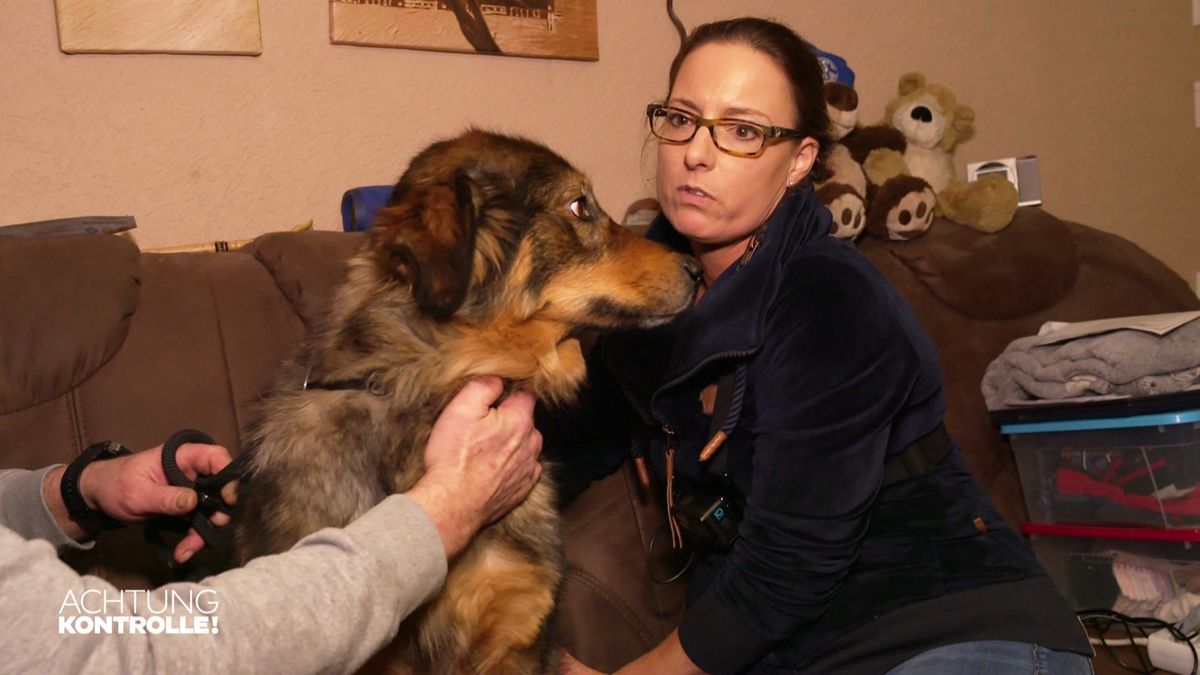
{"type": "Point", "coordinates": [791, 53]}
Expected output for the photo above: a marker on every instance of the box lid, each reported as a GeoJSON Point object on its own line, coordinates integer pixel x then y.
{"type": "Point", "coordinates": [1156, 420]}
{"type": "Point", "coordinates": [1098, 414]}
{"type": "Point", "coordinates": [1111, 532]}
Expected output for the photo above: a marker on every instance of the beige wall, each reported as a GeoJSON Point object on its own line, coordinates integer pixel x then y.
{"type": "Point", "coordinates": [205, 147]}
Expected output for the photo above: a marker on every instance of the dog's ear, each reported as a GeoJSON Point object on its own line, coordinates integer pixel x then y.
{"type": "Point", "coordinates": [427, 239]}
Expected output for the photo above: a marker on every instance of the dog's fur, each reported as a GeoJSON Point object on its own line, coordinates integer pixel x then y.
{"type": "Point", "coordinates": [490, 259]}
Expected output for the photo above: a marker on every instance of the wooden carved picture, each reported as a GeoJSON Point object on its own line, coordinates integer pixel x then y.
{"type": "Point", "coordinates": [558, 29]}
{"type": "Point", "coordinates": [159, 26]}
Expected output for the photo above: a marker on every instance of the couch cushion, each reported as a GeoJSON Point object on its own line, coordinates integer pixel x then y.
{"type": "Point", "coordinates": [610, 612]}
{"type": "Point", "coordinates": [1026, 268]}
{"type": "Point", "coordinates": [210, 333]}
{"type": "Point", "coordinates": [86, 293]}
{"type": "Point", "coordinates": [306, 266]}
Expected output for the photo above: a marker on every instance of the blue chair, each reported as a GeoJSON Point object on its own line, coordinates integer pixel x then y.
{"type": "Point", "coordinates": [360, 204]}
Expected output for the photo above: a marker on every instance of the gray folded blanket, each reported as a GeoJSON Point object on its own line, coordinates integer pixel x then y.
{"type": "Point", "coordinates": [1121, 363]}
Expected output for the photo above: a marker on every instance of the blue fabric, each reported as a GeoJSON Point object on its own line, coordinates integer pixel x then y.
{"type": "Point", "coordinates": [841, 376]}
{"type": "Point", "coordinates": [993, 657]}
{"type": "Point", "coordinates": [833, 67]}
{"type": "Point", "coordinates": [360, 204]}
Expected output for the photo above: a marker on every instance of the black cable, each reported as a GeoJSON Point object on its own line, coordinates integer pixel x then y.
{"type": "Point", "coordinates": [650, 561]}
{"type": "Point", "coordinates": [675, 20]}
{"type": "Point", "coordinates": [1103, 620]}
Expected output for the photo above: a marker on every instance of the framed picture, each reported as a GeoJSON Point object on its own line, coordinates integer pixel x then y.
{"type": "Point", "coordinates": [556, 29]}
{"type": "Point", "coordinates": [159, 26]}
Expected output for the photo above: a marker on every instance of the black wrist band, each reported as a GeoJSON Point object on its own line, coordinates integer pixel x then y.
{"type": "Point", "coordinates": [77, 508]}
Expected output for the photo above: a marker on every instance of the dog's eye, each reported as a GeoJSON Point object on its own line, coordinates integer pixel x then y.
{"type": "Point", "coordinates": [582, 208]}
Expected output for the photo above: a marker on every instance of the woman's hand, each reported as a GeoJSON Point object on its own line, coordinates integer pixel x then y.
{"type": "Point", "coordinates": [668, 658]}
{"type": "Point", "coordinates": [569, 665]}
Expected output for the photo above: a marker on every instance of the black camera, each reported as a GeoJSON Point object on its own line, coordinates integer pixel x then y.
{"type": "Point", "coordinates": [708, 518]}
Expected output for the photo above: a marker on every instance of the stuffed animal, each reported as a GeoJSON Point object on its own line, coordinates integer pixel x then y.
{"type": "Point", "coordinates": [932, 123]}
{"type": "Point", "coordinates": [896, 207]}
{"type": "Point", "coordinates": [845, 191]}
{"type": "Point", "coordinates": [900, 208]}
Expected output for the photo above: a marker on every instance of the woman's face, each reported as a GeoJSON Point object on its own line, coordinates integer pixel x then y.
{"type": "Point", "coordinates": [715, 199]}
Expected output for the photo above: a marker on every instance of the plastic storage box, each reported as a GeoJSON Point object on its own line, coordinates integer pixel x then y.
{"type": "Point", "coordinates": [1131, 569]}
{"type": "Point", "coordinates": [1138, 470]}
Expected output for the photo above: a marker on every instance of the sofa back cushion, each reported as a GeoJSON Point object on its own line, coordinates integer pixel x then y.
{"type": "Point", "coordinates": [66, 308]}
{"type": "Point", "coordinates": [99, 341]}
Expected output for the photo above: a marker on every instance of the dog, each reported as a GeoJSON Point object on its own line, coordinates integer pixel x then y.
{"type": "Point", "coordinates": [492, 257]}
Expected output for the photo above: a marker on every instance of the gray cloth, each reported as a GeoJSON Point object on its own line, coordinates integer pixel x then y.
{"type": "Point", "coordinates": [1119, 363]}
{"type": "Point", "coordinates": [325, 606]}
{"type": "Point", "coordinates": [23, 508]}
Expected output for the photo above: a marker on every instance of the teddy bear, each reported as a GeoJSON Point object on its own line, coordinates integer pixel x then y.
{"type": "Point", "coordinates": [932, 122]}
{"type": "Point", "coordinates": [899, 207]}
{"type": "Point", "coordinates": [845, 190]}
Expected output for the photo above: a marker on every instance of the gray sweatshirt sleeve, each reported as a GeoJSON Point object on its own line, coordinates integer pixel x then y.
{"type": "Point", "coordinates": [325, 606]}
{"type": "Point", "coordinates": [23, 508]}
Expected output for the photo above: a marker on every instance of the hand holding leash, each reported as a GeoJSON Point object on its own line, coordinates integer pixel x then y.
{"type": "Point", "coordinates": [135, 487]}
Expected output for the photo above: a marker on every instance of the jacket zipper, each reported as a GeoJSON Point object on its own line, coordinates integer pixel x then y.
{"type": "Point", "coordinates": [696, 368]}
{"type": "Point", "coordinates": [652, 416]}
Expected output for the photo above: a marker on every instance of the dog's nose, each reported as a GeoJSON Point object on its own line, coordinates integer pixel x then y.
{"type": "Point", "coordinates": [693, 268]}
{"type": "Point", "coordinates": [922, 114]}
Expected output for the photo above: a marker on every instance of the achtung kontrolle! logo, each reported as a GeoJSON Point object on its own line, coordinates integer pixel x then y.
{"type": "Point", "coordinates": [111, 612]}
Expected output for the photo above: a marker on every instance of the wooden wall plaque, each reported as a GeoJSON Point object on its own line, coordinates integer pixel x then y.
{"type": "Point", "coordinates": [159, 26]}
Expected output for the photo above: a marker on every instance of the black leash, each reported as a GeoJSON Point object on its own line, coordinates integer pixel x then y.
{"type": "Point", "coordinates": [208, 497]}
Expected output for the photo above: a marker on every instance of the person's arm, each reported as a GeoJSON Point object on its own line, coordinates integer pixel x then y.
{"type": "Point", "coordinates": [25, 510]}
{"type": "Point", "coordinates": [838, 364]}
{"type": "Point", "coordinates": [129, 488]}
{"type": "Point", "coordinates": [324, 606]}
{"type": "Point", "coordinates": [480, 461]}
{"type": "Point", "coordinates": [667, 657]}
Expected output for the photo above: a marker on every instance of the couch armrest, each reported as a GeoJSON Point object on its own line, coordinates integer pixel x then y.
{"type": "Point", "coordinates": [610, 612]}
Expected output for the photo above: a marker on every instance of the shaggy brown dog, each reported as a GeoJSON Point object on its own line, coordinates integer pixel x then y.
{"type": "Point", "coordinates": [490, 259]}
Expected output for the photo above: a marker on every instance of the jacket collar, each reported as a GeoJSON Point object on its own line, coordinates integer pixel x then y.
{"type": "Point", "coordinates": [731, 316]}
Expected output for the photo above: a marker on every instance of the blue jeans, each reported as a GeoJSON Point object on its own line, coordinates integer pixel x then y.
{"type": "Point", "coordinates": [994, 657]}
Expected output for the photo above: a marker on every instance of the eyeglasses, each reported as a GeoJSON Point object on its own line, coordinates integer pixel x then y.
{"type": "Point", "coordinates": [731, 136]}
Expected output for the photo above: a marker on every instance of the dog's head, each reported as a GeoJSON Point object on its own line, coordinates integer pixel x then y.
{"type": "Point", "coordinates": [485, 224]}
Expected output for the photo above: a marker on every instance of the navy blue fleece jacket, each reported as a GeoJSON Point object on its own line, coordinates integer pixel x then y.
{"type": "Point", "coordinates": [839, 376]}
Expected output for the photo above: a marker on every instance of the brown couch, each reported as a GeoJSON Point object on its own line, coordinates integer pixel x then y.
{"type": "Point", "coordinates": [99, 341]}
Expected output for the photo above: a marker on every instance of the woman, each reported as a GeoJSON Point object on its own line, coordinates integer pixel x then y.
{"type": "Point", "coordinates": [864, 544]}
